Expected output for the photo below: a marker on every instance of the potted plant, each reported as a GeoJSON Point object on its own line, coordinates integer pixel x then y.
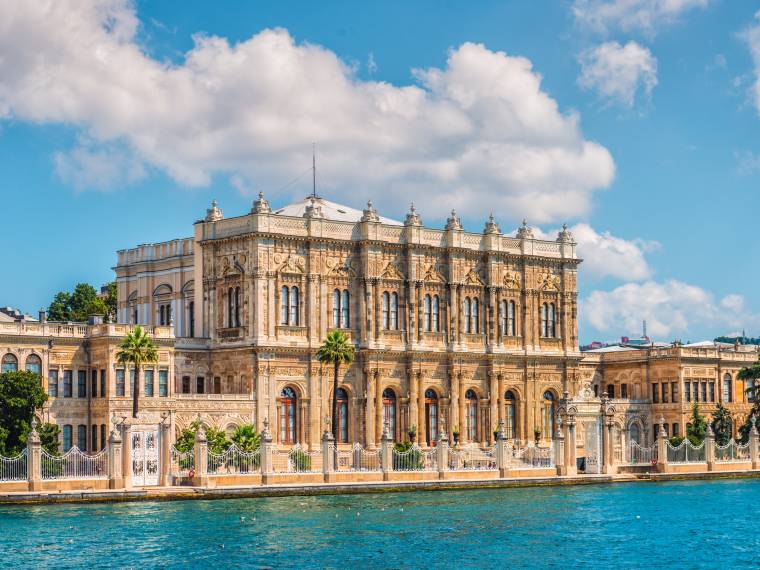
{"type": "Point", "coordinates": [412, 433]}
{"type": "Point", "coordinates": [537, 435]}
{"type": "Point", "coordinates": [455, 433]}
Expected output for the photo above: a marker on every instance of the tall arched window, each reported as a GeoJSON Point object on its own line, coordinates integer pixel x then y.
{"type": "Point", "coordinates": [548, 416]}
{"type": "Point", "coordinates": [237, 306]}
{"type": "Point", "coordinates": [288, 401]}
{"type": "Point", "coordinates": [10, 363]}
{"type": "Point", "coordinates": [427, 318]}
{"type": "Point", "coordinates": [294, 303]}
{"type": "Point", "coordinates": [475, 316]}
{"type": "Point", "coordinates": [467, 315]}
{"type": "Point", "coordinates": [471, 415]}
{"type": "Point", "coordinates": [511, 327]}
{"type": "Point", "coordinates": [727, 392]}
{"type": "Point", "coordinates": [389, 410]}
{"type": "Point", "coordinates": [503, 318]}
{"type": "Point", "coordinates": [436, 312]}
{"type": "Point", "coordinates": [431, 415]}
{"type": "Point", "coordinates": [634, 433]}
{"type": "Point", "coordinates": [342, 398]}
{"type": "Point", "coordinates": [386, 310]}
{"type": "Point", "coordinates": [344, 309]}
{"type": "Point", "coordinates": [510, 414]}
{"type": "Point", "coordinates": [394, 311]}
{"type": "Point", "coordinates": [336, 308]}
{"type": "Point", "coordinates": [284, 304]}
{"type": "Point", "coordinates": [544, 320]}
{"type": "Point", "coordinates": [552, 318]}
{"type": "Point", "coordinates": [34, 364]}
{"type": "Point", "coordinates": [230, 307]}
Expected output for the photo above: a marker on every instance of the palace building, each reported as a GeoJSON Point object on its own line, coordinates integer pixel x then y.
{"type": "Point", "coordinates": [468, 328]}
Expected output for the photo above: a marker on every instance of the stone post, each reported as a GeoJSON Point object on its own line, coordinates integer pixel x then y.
{"type": "Point", "coordinates": [609, 449]}
{"type": "Point", "coordinates": [754, 444]}
{"type": "Point", "coordinates": [386, 452]}
{"type": "Point", "coordinates": [443, 450]}
{"type": "Point", "coordinates": [329, 452]}
{"type": "Point", "coordinates": [662, 448]}
{"type": "Point", "coordinates": [502, 450]}
{"type": "Point", "coordinates": [34, 459]}
{"type": "Point", "coordinates": [126, 453]}
{"type": "Point", "coordinates": [710, 448]}
{"type": "Point", "coordinates": [200, 451]}
{"type": "Point", "coordinates": [559, 452]}
{"type": "Point", "coordinates": [266, 454]}
{"type": "Point", "coordinates": [115, 460]}
{"type": "Point", "coordinates": [571, 464]}
{"type": "Point", "coordinates": [165, 453]}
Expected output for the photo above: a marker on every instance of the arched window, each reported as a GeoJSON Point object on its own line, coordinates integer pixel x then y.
{"type": "Point", "coordinates": [284, 304]}
{"type": "Point", "coordinates": [342, 398]}
{"type": "Point", "coordinates": [427, 318]}
{"type": "Point", "coordinates": [230, 308]}
{"type": "Point", "coordinates": [635, 433]}
{"type": "Point", "coordinates": [336, 308]}
{"type": "Point", "coordinates": [511, 328]}
{"type": "Point", "coordinates": [436, 319]}
{"type": "Point", "coordinates": [394, 311]}
{"type": "Point", "coordinates": [552, 318]}
{"type": "Point", "coordinates": [471, 415]}
{"type": "Point", "coordinates": [475, 316]}
{"type": "Point", "coordinates": [34, 364]}
{"type": "Point", "coordinates": [727, 392]}
{"type": "Point", "coordinates": [544, 320]}
{"type": "Point", "coordinates": [431, 415]}
{"type": "Point", "coordinates": [288, 401]}
{"type": "Point", "coordinates": [510, 414]}
{"type": "Point", "coordinates": [467, 315]}
{"type": "Point", "coordinates": [344, 309]}
{"type": "Point", "coordinates": [386, 310]}
{"type": "Point", "coordinates": [389, 410]}
{"type": "Point", "coordinates": [548, 416]}
{"type": "Point", "coordinates": [503, 318]}
{"type": "Point", "coordinates": [10, 363]}
{"type": "Point", "coordinates": [162, 316]}
{"type": "Point", "coordinates": [237, 306]}
{"type": "Point", "coordinates": [294, 302]}
{"type": "Point", "coordinates": [191, 319]}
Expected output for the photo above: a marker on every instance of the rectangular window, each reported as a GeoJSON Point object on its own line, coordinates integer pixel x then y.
{"type": "Point", "coordinates": [676, 430]}
{"type": "Point", "coordinates": [217, 385]}
{"type": "Point", "coordinates": [687, 391]}
{"type": "Point", "coordinates": [67, 387]}
{"type": "Point", "coordinates": [94, 439]}
{"type": "Point", "coordinates": [704, 392]}
{"type": "Point", "coordinates": [102, 383]}
{"type": "Point", "coordinates": [655, 393]}
{"type": "Point", "coordinates": [664, 392]}
{"type": "Point", "coordinates": [94, 384]}
{"type": "Point", "coordinates": [674, 392]}
{"type": "Point", "coordinates": [149, 373]}
{"type": "Point", "coordinates": [610, 391]}
{"type": "Point", "coordinates": [163, 383]}
{"type": "Point", "coordinates": [53, 383]}
{"type": "Point", "coordinates": [186, 384]}
{"type": "Point", "coordinates": [66, 438]}
{"type": "Point", "coordinates": [81, 384]}
{"type": "Point", "coordinates": [200, 385]}
{"type": "Point", "coordinates": [102, 436]}
{"type": "Point", "coordinates": [624, 391]}
{"type": "Point", "coordinates": [120, 382]}
{"type": "Point", "coordinates": [82, 437]}
{"type": "Point", "coordinates": [712, 391]}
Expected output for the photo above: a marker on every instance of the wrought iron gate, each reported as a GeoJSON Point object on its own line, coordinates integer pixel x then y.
{"type": "Point", "coordinates": [592, 444]}
{"type": "Point", "coordinates": [145, 459]}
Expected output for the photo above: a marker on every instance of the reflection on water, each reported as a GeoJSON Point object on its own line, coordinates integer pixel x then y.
{"type": "Point", "coordinates": [627, 526]}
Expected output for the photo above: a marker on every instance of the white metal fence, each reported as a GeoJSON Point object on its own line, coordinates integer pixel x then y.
{"type": "Point", "coordinates": [732, 452]}
{"type": "Point", "coordinates": [358, 459]}
{"type": "Point", "coordinates": [182, 462]}
{"type": "Point", "coordinates": [234, 461]}
{"type": "Point", "coordinates": [296, 460]}
{"type": "Point", "coordinates": [13, 468]}
{"type": "Point", "coordinates": [532, 457]}
{"type": "Point", "coordinates": [636, 454]}
{"type": "Point", "coordinates": [74, 464]}
{"type": "Point", "coordinates": [472, 458]}
{"type": "Point", "coordinates": [685, 452]}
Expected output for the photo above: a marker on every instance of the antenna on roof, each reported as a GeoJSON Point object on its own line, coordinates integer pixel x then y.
{"type": "Point", "coordinates": [314, 170]}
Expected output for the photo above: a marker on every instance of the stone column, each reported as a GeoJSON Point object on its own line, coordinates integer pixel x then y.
{"type": "Point", "coordinates": [754, 444]}
{"type": "Point", "coordinates": [502, 451]}
{"type": "Point", "coordinates": [34, 459]}
{"type": "Point", "coordinates": [126, 453]}
{"type": "Point", "coordinates": [200, 450]}
{"type": "Point", "coordinates": [500, 398]}
{"type": "Point", "coordinates": [494, 402]}
{"type": "Point", "coordinates": [454, 405]}
{"type": "Point", "coordinates": [267, 470]}
{"type": "Point", "coordinates": [369, 414]}
{"type": "Point", "coordinates": [442, 450]}
{"type": "Point", "coordinates": [165, 456]}
{"type": "Point", "coordinates": [710, 448]}
{"type": "Point", "coordinates": [609, 452]}
{"type": "Point", "coordinates": [378, 406]}
{"type": "Point", "coordinates": [386, 452]}
{"type": "Point", "coordinates": [413, 411]}
{"type": "Point", "coordinates": [461, 412]}
{"type": "Point", "coordinates": [329, 453]}
{"type": "Point", "coordinates": [571, 465]}
{"type": "Point", "coordinates": [662, 448]}
{"type": "Point", "coordinates": [115, 461]}
{"type": "Point", "coordinates": [421, 423]}
{"type": "Point", "coordinates": [559, 452]}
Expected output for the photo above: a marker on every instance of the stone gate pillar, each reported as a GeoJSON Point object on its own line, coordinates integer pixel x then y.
{"type": "Point", "coordinates": [165, 453]}
{"type": "Point", "coordinates": [502, 451]}
{"type": "Point", "coordinates": [115, 460]}
{"type": "Point", "coordinates": [34, 459]}
{"type": "Point", "coordinates": [710, 448]}
{"type": "Point", "coordinates": [662, 448]}
{"type": "Point", "coordinates": [200, 450]}
{"type": "Point", "coordinates": [609, 447]}
{"type": "Point", "coordinates": [754, 445]}
{"type": "Point", "coordinates": [443, 450]}
{"type": "Point", "coordinates": [386, 452]}
{"type": "Point", "coordinates": [571, 465]}
{"type": "Point", "coordinates": [126, 453]}
{"type": "Point", "coordinates": [559, 451]}
{"type": "Point", "coordinates": [329, 455]}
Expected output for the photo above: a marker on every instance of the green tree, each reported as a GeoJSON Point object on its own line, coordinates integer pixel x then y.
{"type": "Point", "coordinates": [83, 302]}
{"type": "Point", "coordinates": [186, 438]}
{"type": "Point", "coordinates": [59, 309]}
{"type": "Point", "coordinates": [696, 428]}
{"type": "Point", "coordinates": [751, 376]}
{"type": "Point", "coordinates": [246, 438]}
{"type": "Point", "coordinates": [110, 302]}
{"type": "Point", "coordinates": [21, 394]}
{"type": "Point", "coordinates": [49, 438]}
{"type": "Point", "coordinates": [721, 424]}
{"type": "Point", "coordinates": [217, 440]}
{"type": "Point", "coordinates": [137, 349]}
{"type": "Point", "coordinates": [336, 350]}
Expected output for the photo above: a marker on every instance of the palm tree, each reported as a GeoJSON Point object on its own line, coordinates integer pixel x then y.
{"type": "Point", "coordinates": [751, 373]}
{"type": "Point", "coordinates": [137, 349]}
{"type": "Point", "coordinates": [336, 350]}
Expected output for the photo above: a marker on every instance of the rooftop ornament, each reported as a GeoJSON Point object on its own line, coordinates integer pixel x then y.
{"type": "Point", "coordinates": [525, 231]}
{"type": "Point", "coordinates": [565, 236]}
{"type": "Point", "coordinates": [491, 226]}
{"type": "Point", "coordinates": [313, 209]}
{"type": "Point", "coordinates": [261, 206]}
{"type": "Point", "coordinates": [453, 223]}
{"type": "Point", "coordinates": [214, 214]}
{"type": "Point", "coordinates": [370, 214]}
{"type": "Point", "coordinates": [412, 218]}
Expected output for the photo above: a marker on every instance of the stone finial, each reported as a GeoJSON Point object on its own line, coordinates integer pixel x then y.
{"type": "Point", "coordinates": [491, 226]}
{"type": "Point", "coordinates": [34, 437]}
{"type": "Point", "coordinates": [565, 236]}
{"type": "Point", "coordinates": [710, 432]}
{"type": "Point", "coordinates": [753, 422]}
{"type": "Point", "coordinates": [265, 434]}
{"type": "Point", "coordinates": [386, 430]}
{"type": "Point", "coordinates": [525, 231]}
{"type": "Point", "coordinates": [214, 214]}
{"type": "Point", "coordinates": [314, 209]}
{"type": "Point", "coordinates": [453, 223]}
{"type": "Point", "coordinates": [412, 218]}
{"type": "Point", "coordinates": [662, 427]}
{"type": "Point", "coordinates": [502, 433]}
{"type": "Point", "coordinates": [261, 206]}
{"type": "Point", "coordinates": [370, 214]}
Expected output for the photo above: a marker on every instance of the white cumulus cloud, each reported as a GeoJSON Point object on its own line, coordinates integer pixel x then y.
{"type": "Point", "coordinates": [632, 15]}
{"type": "Point", "coordinates": [751, 36]}
{"type": "Point", "coordinates": [478, 130]}
{"type": "Point", "coordinates": [618, 72]}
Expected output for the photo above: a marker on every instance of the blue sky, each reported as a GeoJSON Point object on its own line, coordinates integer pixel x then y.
{"type": "Point", "coordinates": [635, 122]}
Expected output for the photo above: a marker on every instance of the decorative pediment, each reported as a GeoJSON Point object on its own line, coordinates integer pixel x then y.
{"type": "Point", "coordinates": [432, 274]}
{"type": "Point", "coordinates": [391, 272]}
{"type": "Point", "coordinates": [549, 282]}
{"type": "Point", "coordinates": [341, 267]}
{"type": "Point", "coordinates": [512, 280]}
{"type": "Point", "coordinates": [234, 265]}
{"type": "Point", "coordinates": [291, 264]}
{"type": "Point", "coordinates": [473, 278]}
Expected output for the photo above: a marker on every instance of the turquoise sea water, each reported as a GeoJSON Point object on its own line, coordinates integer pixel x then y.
{"type": "Point", "coordinates": [645, 525]}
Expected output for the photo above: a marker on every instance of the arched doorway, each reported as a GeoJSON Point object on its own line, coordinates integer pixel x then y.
{"type": "Point", "coordinates": [389, 411]}
{"type": "Point", "coordinates": [510, 415]}
{"type": "Point", "coordinates": [548, 416]}
{"type": "Point", "coordinates": [431, 416]}
{"type": "Point", "coordinates": [342, 398]}
{"type": "Point", "coordinates": [471, 415]}
{"type": "Point", "coordinates": [634, 432]}
{"type": "Point", "coordinates": [288, 423]}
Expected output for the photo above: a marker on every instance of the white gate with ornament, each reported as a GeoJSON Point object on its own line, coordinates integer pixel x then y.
{"type": "Point", "coordinates": [146, 459]}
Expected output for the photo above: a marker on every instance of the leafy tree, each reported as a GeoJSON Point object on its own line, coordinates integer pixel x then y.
{"type": "Point", "coordinates": [186, 438]}
{"type": "Point", "coordinates": [59, 309]}
{"type": "Point", "coordinates": [721, 424]}
{"type": "Point", "coordinates": [246, 438]}
{"type": "Point", "coordinates": [49, 437]}
{"type": "Point", "coordinates": [751, 375]}
{"type": "Point", "coordinates": [137, 349]}
{"type": "Point", "coordinates": [336, 350]}
{"type": "Point", "coordinates": [110, 302]}
{"type": "Point", "coordinates": [697, 426]}
{"type": "Point", "coordinates": [217, 440]}
{"type": "Point", "coordinates": [80, 304]}
{"type": "Point", "coordinates": [21, 394]}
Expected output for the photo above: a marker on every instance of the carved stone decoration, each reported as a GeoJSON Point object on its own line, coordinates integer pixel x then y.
{"type": "Point", "coordinates": [413, 218]}
{"type": "Point", "coordinates": [293, 264]}
{"type": "Point", "coordinates": [341, 267]}
{"type": "Point", "coordinates": [491, 226]}
{"type": "Point", "coordinates": [261, 206]}
{"type": "Point", "coordinates": [525, 231]}
{"type": "Point", "coordinates": [391, 271]}
{"type": "Point", "coordinates": [213, 213]}
{"type": "Point", "coordinates": [370, 214]}
{"type": "Point", "coordinates": [565, 236]}
{"type": "Point", "coordinates": [313, 210]}
{"type": "Point", "coordinates": [432, 274]}
{"type": "Point", "coordinates": [453, 223]}
{"type": "Point", "coordinates": [512, 280]}
{"type": "Point", "coordinates": [473, 278]}
{"type": "Point", "coordinates": [549, 282]}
